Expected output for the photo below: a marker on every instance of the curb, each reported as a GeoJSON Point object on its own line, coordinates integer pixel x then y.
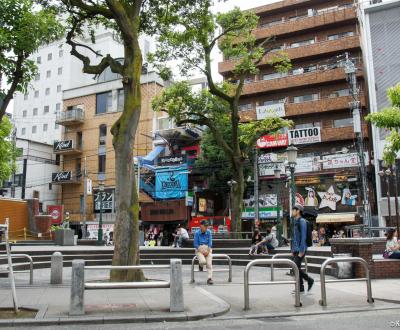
{"type": "Point", "coordinates": [222, 308]}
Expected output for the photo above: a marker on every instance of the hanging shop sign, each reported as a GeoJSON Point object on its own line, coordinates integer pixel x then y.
{"type": "Point", "coordinates": [268, 169]}
{"type": "Point", "coordinates": [61, 176]}
{"type": "Point", "coordinates": [305, 135]}
{"type": "Point", "coordinates": [202, 205]}
{"type": "Point", "coordinates": [107, 199]}
{"type": "Point", "coordinates": [348, 198]}
{"type": "Point", "coordinates": [308, 164]}
{"type": "Point", "coordinates": [89, 187]}
{"type": "Point", "coordinates": [329, 198]}
{"type": "Point", "coordinates": [308, 180]}
{"type": "Point", "coordinates": [63, 145]}
{"type": "Point", "coordinates": [342, 160]}
{"type": "Point", "coordinates": [92, 231]}
{"type": "Point", "coordinates": [311, 200]}
{"type": "Point", "coordinates": [272, 158]}
{"type": "Point", "coordinates": [171, 183]}
{"type": "Point", "coordinates": [263, 213]}
{"type": "Point", "coordinates": [189, 198]}
{"type": "Point", "coordinates": [56, 212]}
{"type": "Point", "coordinates": [270, 111]}
{"type": "Point", "coordinates": [171, 160]}
{"type": "Point", "coordinates": [273, 141]}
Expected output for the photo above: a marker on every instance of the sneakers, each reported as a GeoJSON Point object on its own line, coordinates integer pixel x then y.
{"type": "Point", "coordinates": [210, 281]}
{"type": "Point", "coordinates": [200, 268]}
{"type": "Point", "coordinates": [310, 284]}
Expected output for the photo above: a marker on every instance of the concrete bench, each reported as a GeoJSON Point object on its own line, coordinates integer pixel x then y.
{"type": "Point", "coordinates": [78, 284]}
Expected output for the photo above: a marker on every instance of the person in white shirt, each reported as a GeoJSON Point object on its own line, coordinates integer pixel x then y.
{"type": "Point", "coordinates": [392, 244]}
{"type": "Point", "coordinates": [181, 236]}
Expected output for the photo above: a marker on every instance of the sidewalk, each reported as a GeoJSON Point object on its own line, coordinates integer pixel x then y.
{"type": "Point", "coordinates": [222, 300]}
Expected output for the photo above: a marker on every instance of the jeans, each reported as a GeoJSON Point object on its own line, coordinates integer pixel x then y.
{"type": "Point", "coordinates": [395, 255]}
{"type": "Point", "coordinates": [179, 241]}
{"type": "Point", "coordinates": [303, 275]}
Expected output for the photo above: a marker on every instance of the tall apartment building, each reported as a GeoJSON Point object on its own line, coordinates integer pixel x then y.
{"type": "Point", "coordinates": [35, 111]}
{"type": "Point", "coordinates": [88, 115]}
{"type": "Point", "coordinates": [380, 26]}
{"type": "Point", "coordinates": [315, 95]}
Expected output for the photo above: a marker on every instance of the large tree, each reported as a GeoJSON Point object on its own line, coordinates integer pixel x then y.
{"type": "Point", "coordinates": [23, 28]}
{"type": "Point", "coordinates": [7, 150]}
{"type": "Point", "coordinates": [389, 118]}
{"type": "Point", "coordinates": [128, 18]}
{"type": "Point", "coordinates": [218, 106]}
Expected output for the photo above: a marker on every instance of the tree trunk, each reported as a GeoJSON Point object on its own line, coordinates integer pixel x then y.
{"type": "Point", "coordinates": [126, 231]}
{"type": "Point", "coordinates": [237, 201]}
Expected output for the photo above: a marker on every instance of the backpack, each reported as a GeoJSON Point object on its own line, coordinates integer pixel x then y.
{"type": "Point", "coordinates": [309, 241]}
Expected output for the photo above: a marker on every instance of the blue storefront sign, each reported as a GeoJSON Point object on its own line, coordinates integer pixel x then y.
{"type": "Point", "coordinates": [171, 182]}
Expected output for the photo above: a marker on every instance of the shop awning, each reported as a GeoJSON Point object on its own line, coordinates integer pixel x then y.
{"type": "Point", "coordinates": [144, 198]}
{"type": "Point", "coordinates": [149, 159]}
{"type": "Point", "coordinates": [336, 217]}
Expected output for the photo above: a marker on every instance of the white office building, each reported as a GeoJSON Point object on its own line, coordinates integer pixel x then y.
{"type": "Point", "coordinates": [380, 22]}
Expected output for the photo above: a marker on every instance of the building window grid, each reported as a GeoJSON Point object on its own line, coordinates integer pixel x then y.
{"type": "Point", "coordinates": [48, 73]}
{"type": "Point", "coordinates": [34, 128]}
{"type": "Point", "coordinates": [24, 113]}
{"type": "Point", "coordinates": [58, 88]}
{"type": "Point", "coordinates": [49, 56]}
{"type": "Point", "coordinates": [23, 131]}
{"type": "Point", "coordinates": [35, 111]}
{"type": "Point", "coordinates": [45, 126]}
{"type": "Point", "coordinates": [36, 94]}
{"type": "Point", "coordinates": [47, 91]}
{"type": "Point", "coordinates": [59, 71]}
{"type": "Point", "coordinates": [46, 109]}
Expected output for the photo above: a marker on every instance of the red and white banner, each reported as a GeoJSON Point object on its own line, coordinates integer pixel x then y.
{"type": "Point", "coordinates": [273, 141]}
{"type": "Point", "coordinates": [56, 212]}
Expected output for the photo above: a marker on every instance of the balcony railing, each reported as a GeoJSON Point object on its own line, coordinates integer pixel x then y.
{"type": "Point", "coordinates": [70, 117]}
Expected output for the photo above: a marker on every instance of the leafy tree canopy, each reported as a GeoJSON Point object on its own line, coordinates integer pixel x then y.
{"type": "Point", "coordinates": [7, 150]}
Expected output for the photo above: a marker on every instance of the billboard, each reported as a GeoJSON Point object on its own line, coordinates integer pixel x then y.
{"type": "Point", "coordinates": [171, 182]}
{"type": "Point", "coordinates": [273, 141]}
{"type": "Point", "coordinates": [270, 111]}
{"type": "Point", "coordinates": [305, 135]}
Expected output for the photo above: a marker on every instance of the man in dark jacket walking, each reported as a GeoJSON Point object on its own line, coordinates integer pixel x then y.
{"type": "Point", "coordinates": [299, 244]}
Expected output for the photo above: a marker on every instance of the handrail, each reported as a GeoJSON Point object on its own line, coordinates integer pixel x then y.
{"type": "Point", "coordinates": [215, 256]}
{"type": "Point", "coordinates": [27, 256]}
{"type": "Point", "coordinates": [285, 255]}
{"type": "Point", "coordinates": [345, 259]}
{"type": "Point", "coordinates": [288, 262]}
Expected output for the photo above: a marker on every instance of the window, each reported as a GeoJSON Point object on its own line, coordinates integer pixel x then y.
{"type": "Point", "coordinates": [305, 98]}
{"type": "Point", "coordinates": [302, 43]}
{"type": "Point", "coordinates": [58, 106]}
{"type": "Point", "coordinates": [272, 102]}
{"type": "Point", "coordinates": [339, 93]}
{"type": "Point", "coordinates": [58, 88]}
{"type": "Point", "coordinates": [102, 134]}
{"type": "Point", "coordinates": [308, 125]}
{"type": "Point", "coordinates": [25, 96]}
{"type": "Point", "coordinates": [37, 77]}
{"type": "Point", "coordinates": [24, 113]}
{"type": "Point", "coordinates": [272, 23]}
{"type": "Point", "coordinates": [245, 107]}
{"type": "Point", "coordinates": [60, 53]}
{"type": "Point", "coordinates": [46, 109]}
{"type": "Point", "coordinates": [23, 131]}
{"type": "Point", "coordinates": [45, 126]}
{"type": "Point", "coordinates": [59, 71]}
{"type": "Point", "coordinates": [248, 80]}
{"type": "Point", "coordinates": [38, 60]}
{"type": "Point", "coordinates": [49, 56]}
{"type": "Point", "coordinates": [56, 126]}
{"type": "Point", "coordinates": [341, 35]}
{"type": "Point", "coordinates": [102, 163]}
{"type": "Point", "coordinates": [47, 91]}
{"type": "Point", "coordinates": [36, 93]}
{"type": "Point", "coordinates": [275, 75]}
{"type": "Point", "coordinates": [48, 73]}
{"type": "Point", "coordinates": [164, 123]}
{"type": "Point", "coordinates": [35, 111]}
{"type": "Point", "coordinates": [103, 102]}
{"type": "Point", "coordinates": [345, 122]}
{"type": "Point", "coordinates": [121, 100]}
{"type": "Point", "coordinates": [33, 129]}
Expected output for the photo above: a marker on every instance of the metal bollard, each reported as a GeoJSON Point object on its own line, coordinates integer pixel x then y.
{"type": "Point", "coordinates": [176, 286]}
{"type": "Point", "coordinates": [77, 306]}
{"type": "Point", "coordinates": [56, 275]}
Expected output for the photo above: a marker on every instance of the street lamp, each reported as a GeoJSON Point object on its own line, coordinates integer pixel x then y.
{"type": "Point", "coordinates": [277, 174]}
{"type": "Point", "coordinates": [100, 230]}
{"type": "Point", "coordinates": [291, 152]}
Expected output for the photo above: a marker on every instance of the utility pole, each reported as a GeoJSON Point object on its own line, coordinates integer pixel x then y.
{"type": "Point", "coordinates": [14, 143]}
{"type": "Point", "coordinates": [85, 187]}
{"type": "Point", "coordinates": [355, 105]}
{"type": "Point", "coordinates": [256, 197]}
{"type": "Point", "coordinates": [24, 168]}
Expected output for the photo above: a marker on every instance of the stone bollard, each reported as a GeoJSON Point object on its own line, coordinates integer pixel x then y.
{"type": "Point", "coordinates": [76, 306]}
{"type": "Point", "coordinates": [56, 274]}
{"type": "Point", "coordinates": [176, 286]}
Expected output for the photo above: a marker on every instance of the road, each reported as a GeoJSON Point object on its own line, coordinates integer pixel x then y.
{"type": "Point", "coordinates": [389, 319]}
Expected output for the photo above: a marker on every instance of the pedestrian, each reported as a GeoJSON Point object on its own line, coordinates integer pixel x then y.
{"type": "Point", "coordinates": [269, 242]}
{"type": "Point", "coordinates": [181, 236]}
{"type": "Point", "coordinates": [203, 244]}
{"type": "Point", "coordinates": [257, 238]}
{"type": "Point", "coordinates": [299, 244]}
{"type": "Point", "coordinates": [392, 245]}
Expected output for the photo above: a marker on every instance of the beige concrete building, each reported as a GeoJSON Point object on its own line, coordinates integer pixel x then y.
{"type": "Point", "coordinates": [88, 115]}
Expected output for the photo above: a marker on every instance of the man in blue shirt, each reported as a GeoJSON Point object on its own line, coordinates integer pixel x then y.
{"type": "Point", "coordinates": [299, 244]}
{"type": "Point", "coordinates": [203, 244]}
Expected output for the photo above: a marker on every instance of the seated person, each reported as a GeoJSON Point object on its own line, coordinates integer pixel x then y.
{"type": "Point", "coordinates": [257, 238]}
{"type": "Point", "coordinates": [392, 244]}
{"type": "Point", "coordinates": [270, 241]}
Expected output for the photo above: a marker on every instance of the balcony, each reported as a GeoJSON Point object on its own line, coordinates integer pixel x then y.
{"type": "Point", "coordinates": [303, 52]}
{"type": "Point", "coordinates": [70, 117]}
{"type": "Point", "coordinates": [302, 24]}
{"type": "Point", "coordinates": [340, 133]}
{"type": "Point", "coordinates": [320, 76]}
{"type": "Point", "coordinates": [311, 107]}
{"type": "Point", "coordinates": [66, 177]}
{"type": "Point", "coordinates": [67, 147]}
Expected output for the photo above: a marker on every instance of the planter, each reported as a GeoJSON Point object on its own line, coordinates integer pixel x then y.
{"type": "Point", "coordinates": [64, 237]}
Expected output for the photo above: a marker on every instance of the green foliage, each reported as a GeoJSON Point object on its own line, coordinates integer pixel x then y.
{"type": "Point", "coordinates": [23, 28]}
{"type": "Point", "coordinates": [389, 118]}
{"type": "Point", "coordinates": [7, 150]}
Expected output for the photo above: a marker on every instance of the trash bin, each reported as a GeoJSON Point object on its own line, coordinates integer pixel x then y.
{"type": "Point", "coordinates": [75, 239]}
{"type": "Point", "coordinates": [344, 269]}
